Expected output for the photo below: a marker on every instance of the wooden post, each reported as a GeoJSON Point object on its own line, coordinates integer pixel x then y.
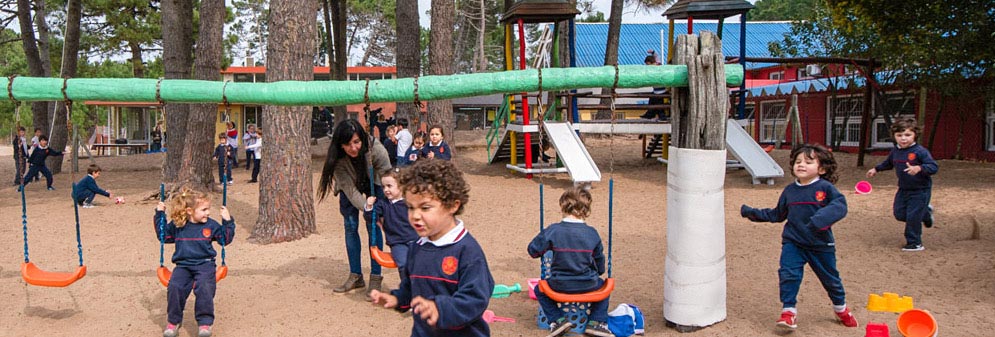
{"type": "Point", "coordinates": [694, 285]}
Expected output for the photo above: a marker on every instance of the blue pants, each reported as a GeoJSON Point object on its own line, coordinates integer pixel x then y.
{"type": "Point", "coordinates": [255, 169]}
{"type": "Point", "coordinates": [85, 197]}
{"type": "Point", "coordinates": [224, 171]}
{"type": "Point", "coordinates": [912, 206]}
{"type": "Point", "coordinates": [400, 253]}
{"type": "Point", "coordinates": [599, 310]}
{"type": "Point", "coordinates": [33, 172]}
{"type": "Point", "coordinates": [180, 285]}
{"type": "Point", "coordinates": [353, 246]}
{"type": "Point", "coordinates": [793, 260]}
{"type": "Point", "coordinates": [234, 157]}
{"type": "Point", "coordinates": [249, 158]}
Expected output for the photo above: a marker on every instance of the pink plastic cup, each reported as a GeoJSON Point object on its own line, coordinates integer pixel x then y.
{"type": "Point", "coordinates": [532, 282]}
{"type": "Point", "coordinates": [863, 187]}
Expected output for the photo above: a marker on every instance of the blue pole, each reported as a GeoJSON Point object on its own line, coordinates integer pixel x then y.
{"type": "Point", "coordinates": [611, 194]}
{"type": "Point", "coordinates": [24, 220]}
{"type": "Point", "coordinates": [573, 64]}
{"type": "Point", "coordinates": [162, 226]}
{"type": "Point", "coordinates": [79, 241]}
{"type": "Point", "coordinates": [542, 211]}
{"type": "Point", "coordinates": [741, 109]}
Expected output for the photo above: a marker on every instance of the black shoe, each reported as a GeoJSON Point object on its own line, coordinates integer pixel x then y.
{"type": "Point", "coordinates": [928, 221]}
{"type": "Point", "coordinates": [253, 181]}
{"type": "Point", "coordinates": [559, 328]}
{"type": "Point", "coordinates": [913, 248]}
{"type": "Point", "coordinates": [50, 188]}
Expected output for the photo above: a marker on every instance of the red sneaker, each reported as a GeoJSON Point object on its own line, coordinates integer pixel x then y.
{"type": "Point", "coordinates": [787, 320]}
{"type": "Point", "coordinates": [846, 317]}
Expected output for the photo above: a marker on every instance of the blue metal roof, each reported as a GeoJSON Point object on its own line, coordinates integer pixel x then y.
{"type": "Point", "coordinates": [821, 84]}
{"type": "Point", "coordinates": [636, 38]}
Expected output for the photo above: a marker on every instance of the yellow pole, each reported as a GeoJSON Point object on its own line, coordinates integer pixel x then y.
{"type": "Point", "coordinates": [509, 65]}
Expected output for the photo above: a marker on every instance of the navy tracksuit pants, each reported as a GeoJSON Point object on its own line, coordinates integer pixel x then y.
{"type": "Point", "coordinates": [793, 260]}
{"type": "Point", "coordinates": [33, 172]}
{"type": "Point", "coordinates": [912, 206]}
{"type": "Point", "coordinates": [85, 197]}
{"type": "Point", "coordinates": [180, 285]}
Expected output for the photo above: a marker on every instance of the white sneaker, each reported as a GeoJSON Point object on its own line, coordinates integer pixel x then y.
{"type": "Point", "coordinates": [88, 205]}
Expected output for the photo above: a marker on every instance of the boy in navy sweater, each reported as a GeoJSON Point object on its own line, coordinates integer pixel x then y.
{"type": "Point", "coordinates": [811, 205]}
{"type": "Point", "coordinates": [37, 162]}
{"type": "Point", "coordinates": [448, 283]}
{"type": "Point", "coordinates": [578, 261]}
{"type": "Point", "coordinates": [915, 168]}
{"type": "Point", "coordinates": [87, 189]}
{"type": "Point", "coordinates": [437, 147]}
{"type": "Point", "coordinates": [392, 217]}
{"type": "Point", "coordinates": [225, 155]}
{"type": "Point", "coordinates": [193, 231]}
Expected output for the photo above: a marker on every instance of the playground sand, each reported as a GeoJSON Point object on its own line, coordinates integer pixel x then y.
{"type": "Point", "coordinates": [285, 289]}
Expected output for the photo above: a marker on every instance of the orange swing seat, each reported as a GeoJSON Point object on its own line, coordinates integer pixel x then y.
{"type": "Point", "coordinates": [385, 259]}
{"type": "Point", "coordinates": [35, 276]}
{"type": "Point", "coordinates": [592, 296]}
{"type": "Point", "coordinates": [164, 274]}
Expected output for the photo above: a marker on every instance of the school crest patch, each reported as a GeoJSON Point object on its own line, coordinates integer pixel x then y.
{"type": "Point", "coordinates": [912, 156]}
{"type": "Point", "coordinates": [442, 150]}
{"type": "Point", "coordinates": [820, 195]}
{"type": "Point", "coordinates": [206, 232]}
{"type": "Point", "coordinates": [449, 265]}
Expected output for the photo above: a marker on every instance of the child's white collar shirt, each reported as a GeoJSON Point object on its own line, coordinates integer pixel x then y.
{"type": "Point", "coordinates": [799, 183]}
{"type": "Point", "coordinates": [453, 236]}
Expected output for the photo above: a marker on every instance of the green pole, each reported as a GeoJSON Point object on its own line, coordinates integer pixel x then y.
{"type": "Point", "coordinates": [330, 93]}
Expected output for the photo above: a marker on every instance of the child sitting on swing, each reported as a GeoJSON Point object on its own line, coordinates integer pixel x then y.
{"type": "Point", "coordinates": [577, 264]}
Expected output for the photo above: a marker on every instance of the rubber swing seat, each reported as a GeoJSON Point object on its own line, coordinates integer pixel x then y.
{"type": "Point", "coordinates": [385, 259]}
{"type": "Point", "coordinates": [35, 276]}
{"type": "Point", "coordinates": [164, 274]}
{"type": "Point", "coordinates": [592, 296]}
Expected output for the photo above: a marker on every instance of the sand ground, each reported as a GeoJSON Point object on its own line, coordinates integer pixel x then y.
{"type": "Point", "coordinates": [285, 289]}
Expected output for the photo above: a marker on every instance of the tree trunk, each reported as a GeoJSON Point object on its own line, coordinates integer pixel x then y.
{"type": "Point", "coordinates": [137, 68]}
{"type": "Point", "coordinates": [41, 13]}
{"type": "Point", "coordinates": [196, 169]}
{"type": "Point", "coordinates": [177, 40]}
{"type": "Point", "coordinates": [611, 50]}
{"type": "Point", "coordinates": [70, 58]}
{"type": "Point", "coordinates": [440, 59]}
{"type": "Point", "coordinates": [339, 20]}
{"type": "Point", "coordinates": [285, 179]}
{"type": "Point", "coordinates": [39, 111]}
{"type": "Point", "coordinates": [482, 54]}
{"type": "Point", "coordinates": [407, 50]}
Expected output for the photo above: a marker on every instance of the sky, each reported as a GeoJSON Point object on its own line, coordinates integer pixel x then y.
{"type": "Point", "coordinates": [630, 14]}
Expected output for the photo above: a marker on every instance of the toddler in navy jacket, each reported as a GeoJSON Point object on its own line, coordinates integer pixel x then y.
{"type": "Point", "coordinates": [811, 205]}
{"type": "Point", "coordinates": [392, 217]}
{"type": "Point", "coordinates": [448, 284]}
{"type": "Point", "coordinates": [37, 163]}
{"type": "Point", "coordinates": [437, 147]}
{"type": "Point", "coordinates": [915, 168]}
{"type": "Point", "coordinates": [193, 232]}
{"type": "Point", "coordinates": [578, 261]}
{"type": "Point", "coordinates": [224, 153]}
{"type": "Point", "coordinates": [87, 189]}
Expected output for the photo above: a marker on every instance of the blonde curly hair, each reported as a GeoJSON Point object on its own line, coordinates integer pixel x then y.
{"type": "Point", "coordinates": [178, 204]}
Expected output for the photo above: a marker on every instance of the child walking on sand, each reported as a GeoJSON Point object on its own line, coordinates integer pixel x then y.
{"type": "Point", "coordinates": [448, 284]}
{"type": "Point", "coordinates": [811, 205]}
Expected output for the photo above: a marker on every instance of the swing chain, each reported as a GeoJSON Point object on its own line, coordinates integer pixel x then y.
{"type": "Point", "coordinates": [224, 99]}
{"type": "Point", "coordinates": [17, 104]}
{"type": "Point", "coordinates": [417, 102]}
{"type": "Point", "coordinates": [158, 96]}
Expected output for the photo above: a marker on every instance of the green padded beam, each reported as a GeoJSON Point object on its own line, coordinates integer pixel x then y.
{"type": "Point", "coordinates": [318, 93]}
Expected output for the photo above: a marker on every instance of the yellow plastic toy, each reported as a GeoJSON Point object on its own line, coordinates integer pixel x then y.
{"type": "Point", "coordinates": [890, 302]}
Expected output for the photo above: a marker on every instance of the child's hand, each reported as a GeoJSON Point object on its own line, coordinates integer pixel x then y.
{"type": "Point", "coordinates": [388, 300]}
{"type": "Point", "coordinates": [370, 201]}
{"type": "Point", "coordinates": [913, 169]}
{"type": "Point", "coordinates": [161, 207]}
{"type": "Point", "coordinates": [425, 309]}
{"type": "Point", "coordinates": [109, 194]}
{"type": "Point", "coordinates": [431, 154]}
{"type": "Point", "coordinates": [871, 172]}
{"type": "Point", "coordinates": [224, 214]}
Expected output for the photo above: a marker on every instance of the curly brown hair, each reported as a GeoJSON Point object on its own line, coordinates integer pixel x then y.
{"type": "Point", "coordinates": [187, 198]}
{"type": "Point", "coordinates": [819, 152]}
{"type": "Point", "coordinates": [576, 201]}
{"type": "Point", "coordinates": [905, 124]}
{"type": "Point", "coordinates": [438, 178]}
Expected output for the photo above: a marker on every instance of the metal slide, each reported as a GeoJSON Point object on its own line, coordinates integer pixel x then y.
{"type": "Point", "coordinates": [572, 152]}
{"type": "Point", "coordinates": [756, 161]}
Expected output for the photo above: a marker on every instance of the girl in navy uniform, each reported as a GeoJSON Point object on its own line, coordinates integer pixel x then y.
{"type": "Point", "coordinates": [415, 152]}
{"type": "Point", "coordinates": [577, 266]}
{"type": "Point", "coordinates": [915, 167]}
{"type": "Point", "coordinates": [437, 147]}
{"type": "Point", "coordinates": [811, 205]}
{"type": "Point", "coordinates": [392, 217]}
{"type": "Point", "coordinates": [193, 231]}
{"type": "Point", "coordinates": [448, 284]}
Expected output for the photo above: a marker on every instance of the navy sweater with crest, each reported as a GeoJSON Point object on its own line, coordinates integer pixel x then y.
{"type": "Point", "coordinates": [194, 240]}
{"type": "Point", "coordinates": [811, 211]}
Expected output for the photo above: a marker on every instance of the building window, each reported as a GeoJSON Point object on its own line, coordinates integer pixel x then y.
{"type": "Point", "coordinates": [253, 115]}
{"type": "Point", "coordinates": [243, 77]}
{"type": "Point", "coordinates": [777, 75]}
{"type": "Point", "coordinates": [773, 119]}
{"type": "Point", "coordinates": [844, 114]}
{"type": "Point", "coordinates": [901, 106]}
{"type": "Point", "coordinates": [990, 125]}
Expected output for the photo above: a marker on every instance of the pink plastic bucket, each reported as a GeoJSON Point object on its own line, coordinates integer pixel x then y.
{"type": "Point", "coordinates": [863, 187]}
{"type": "Point", "coordinates": [533, 282]}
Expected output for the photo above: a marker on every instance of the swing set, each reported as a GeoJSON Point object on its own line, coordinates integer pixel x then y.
{"type": "Point", "coordinates": [30, 272]}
